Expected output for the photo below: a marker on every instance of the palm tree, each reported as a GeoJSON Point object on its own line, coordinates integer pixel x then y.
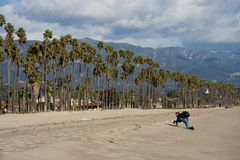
{"type": "Point", "coordinates": [164, 76]}
{"type": "Point", "coordinates": [139, 62]}
{"type": "Point", "coordinates": [2, 20]}
{"type": "Point", "coordinates": [9, 48]}
{"type": "Point", "coordinates": [2, 55]}
{"type": "Point", "coordinates": [139, 81]}
{"type": "Point", "coordinates": [98, 71]}
{"type": "Point", "coordinates": [19, 59]}
{"type": "Point", "coordinates": [114, 63]}
{"type": "Point", "coordinates": [109, 60]}
{"type": "Point", "coordinates": [35, 81]}
{"type": "Point", "coordinates": [193, 83]}
{"type": "Point", "coordinates": [47, 36]}
{"type": "Point", "coordinates": [128, 69]}
{"type": "Point", "coordinates": [32, 74]}
{"type": "Point", "coordinates": [89, 59]}
{"type": "Point", "coordinates": [151, 70]}
{"type": "Point", "coordinates": [55, 56]}
{"type": "Point", "coordinates": [73, 56]}
{"type": "Point", "coordinates": [64, 59]}
{"type": "Point", "coordinates": [100, 46]}
{"type": "Point", "coordinates": [107, 72]}
{"type": "Point", "coordinates": [182, 80]}
{"type": "Point", "coordinates": [159, 80]}
{"type": "Point", "coordinates": [91, 62]}
{"type": "Point", "coordinates": [80, 57]}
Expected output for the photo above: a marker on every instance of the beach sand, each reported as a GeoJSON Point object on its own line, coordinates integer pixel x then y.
{"type": "Point", "coordinates": [128, 134]}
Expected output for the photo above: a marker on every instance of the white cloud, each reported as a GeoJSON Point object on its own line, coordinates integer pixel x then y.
{"type": "Point", "coordinates": [35, 29]}
{"type": "Point", "coordinates": [147, 23]}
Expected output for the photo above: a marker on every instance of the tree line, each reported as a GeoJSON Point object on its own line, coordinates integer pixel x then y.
{"type": "Point", "coordinates": [70, 75]}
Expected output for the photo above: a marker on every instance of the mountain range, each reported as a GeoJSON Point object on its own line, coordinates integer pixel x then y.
{"type": "Point", "coordinates": [220, 66]}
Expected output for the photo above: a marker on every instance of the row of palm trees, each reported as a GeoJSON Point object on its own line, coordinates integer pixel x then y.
{"type": "Point", "coordinates": [71, 75]}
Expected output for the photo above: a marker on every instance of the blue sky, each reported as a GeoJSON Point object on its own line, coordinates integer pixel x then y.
{"type": "Point", "coordinates": [198, 24]}
{"type": "Point", "coordinates": [3, 2]}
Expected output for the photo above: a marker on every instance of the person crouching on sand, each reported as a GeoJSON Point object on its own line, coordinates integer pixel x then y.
{"type": "Point", "coordinates": [183, 117]}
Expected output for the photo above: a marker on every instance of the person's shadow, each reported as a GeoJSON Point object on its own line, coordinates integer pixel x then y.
{"type": "Point", "coordinates": [172, 125]}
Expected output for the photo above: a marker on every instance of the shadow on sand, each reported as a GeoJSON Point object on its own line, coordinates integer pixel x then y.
{"type": "Point", "coordinates": [172, 125]}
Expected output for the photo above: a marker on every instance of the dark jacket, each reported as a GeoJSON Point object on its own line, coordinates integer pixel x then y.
{"type": "Point", "coordinates": [180, 116]}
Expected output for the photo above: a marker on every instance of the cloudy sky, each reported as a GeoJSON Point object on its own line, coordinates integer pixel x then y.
{"type": "Point", "coordinates": [153, 23]}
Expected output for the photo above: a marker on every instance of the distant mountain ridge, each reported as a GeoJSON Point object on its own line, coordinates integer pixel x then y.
{"type": "Point", "coordinates": [221, 66]}
{"type": "Point", "coordinates": [209, 65]}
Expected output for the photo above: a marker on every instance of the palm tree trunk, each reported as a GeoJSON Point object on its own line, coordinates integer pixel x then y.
{"type": "Point", "coordinates": [45, 79]}
{"type": "Point", "coordinates": [45, 87]}
{"type": "Point", "coordinates": [9, 81]}
{"type": "Point", "coordinates": [142, 99]}
{"type": "Point", "coordinates": [79, 87]}
{"type": "Point", "coordinates": [14, 88]}
{"type": "Point", "coordinates": [123, 95]}
{"type": "Point", "coordinates": [26, 94]}
{"type": "Point", "coordinates": [98, 92]}
{"type": "Point", "coordinates": [138, 93]}
{"type": "Point", "coordinates": [106, 90]}
{"type": "Point", "coordinates": [54, 91]}
{"type": "Point", "coordinates": [115, 94]}
{"type": "Point", "coordinates": [62, 94]}
{"type": "Point", "coordinates": [126, 93]}
{"type": "Point", "coordinates": [72, 85]}
{"type": "Point", "coordinates": [108, 93]}
{"type": "Point", "coordinates": [18, 89]}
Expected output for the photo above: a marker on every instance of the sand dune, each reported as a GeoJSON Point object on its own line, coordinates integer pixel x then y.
{"type": "Point", "coordinates": [120, 134]}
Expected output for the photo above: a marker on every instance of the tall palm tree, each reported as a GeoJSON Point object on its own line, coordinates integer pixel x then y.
{"type": "Point", "coordinates": [80, 57]}
{"type": "Point", "coordinates": [114, 63]}
{"type": "Point", "coordinates": [22, 39]}
{"type": "Point", "coordinates": [151, 70]}
{"type": "Point", "coordinates": [9, 48]}
{"type": "Point", "coordinates": [128, 69]}
{"type": "Point", "coordinates": [109, 60]}
{"type": "Point", "coordinates": [139, 81]}
{"type": "Point", "coordinates": [73, 57]}
{"type": "Point", "coordinates": [64, 59]}
{"type": "Point", "coordinates": [98, 71]}
{"type": "Point", "coordinates": [32, 75]}
{"type": "Point", "coordinates": [100, 46]}
{"type": "Point", "coordinates": [47, 36]}
{"type": "Point", "coordinates": [92, 61]}
{"type": "Point", "coordinates": [55, 56]}
{"type": "Point", "coordinates": [17, 61]}
{"type": "Point", "coordinates": [164, 76]}
{"type": "Point", "coordinates": [2, 55]}
{"type": "Point", "coordinates": [89, 60]}
{"type": "Point", "coordinates": [159, 80]}
{"type": "Point", "coordinates": [139, 62]}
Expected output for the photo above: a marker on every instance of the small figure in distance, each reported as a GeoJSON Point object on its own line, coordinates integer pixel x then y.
{"type": "Point", "coordinates": [183, 117]}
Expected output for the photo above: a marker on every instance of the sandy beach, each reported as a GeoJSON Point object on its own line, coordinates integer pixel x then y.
{"type": "Point", "coordinates": [120, 134]}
